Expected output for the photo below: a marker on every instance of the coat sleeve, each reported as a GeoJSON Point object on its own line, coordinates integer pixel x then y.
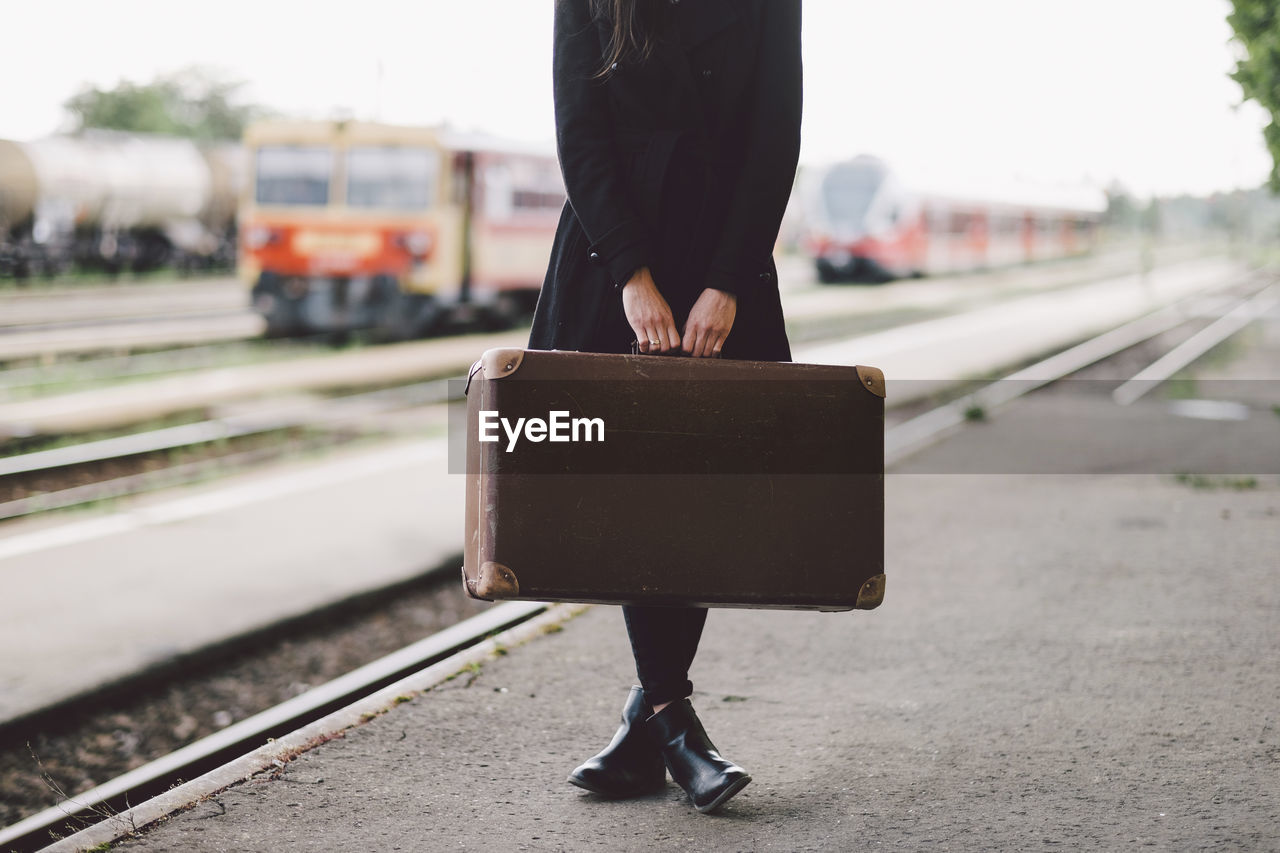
{"type": "Point", "coordinates": [772, 151]}
{"type": "Point", "coordinates": [584, 140]}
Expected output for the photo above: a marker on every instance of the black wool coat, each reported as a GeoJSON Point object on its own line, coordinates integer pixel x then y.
{"type": "Point", "coordinates": [682, 163]}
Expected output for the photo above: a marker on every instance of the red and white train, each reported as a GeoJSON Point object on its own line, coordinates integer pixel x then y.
{"type": "Point", "coordinates": [864, 222]}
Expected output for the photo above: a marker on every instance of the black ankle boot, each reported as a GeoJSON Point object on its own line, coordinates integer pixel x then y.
{"type": "Point", "coordinates": [630, 765]}
{"type": "Point", "coordinates": [691, 757]}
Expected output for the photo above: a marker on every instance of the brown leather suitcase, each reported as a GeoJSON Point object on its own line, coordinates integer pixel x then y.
{"type": "Point", "coordinates": [664, 480]}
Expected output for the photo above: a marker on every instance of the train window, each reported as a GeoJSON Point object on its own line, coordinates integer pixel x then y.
{"type": "Point", "coordinates": [937, 220]}
{"type": "Point", "coordinates": [497, 191]}
{"type": "Point", "coordinates": [293, 174]}
{"type": "Point", "coordinates": [534, 200]}
{"type": "Point", "coordinates": [848, 190]}
{"type": "Point", "coordinates": [515, 187]}
{"type": "Point", "coordinates": [391, 177]}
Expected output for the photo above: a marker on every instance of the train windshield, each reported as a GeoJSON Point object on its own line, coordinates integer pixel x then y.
{"type": "Point", "coordinates": [293, 174]}
{"type": "Point", "coordinates": [848, 191]}
{"type": "Point", "coordinates": [391, 177]}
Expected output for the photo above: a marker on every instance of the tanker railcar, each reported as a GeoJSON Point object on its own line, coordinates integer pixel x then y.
{"type": "Point", "coordinates": [401, 230]}
{"type": "Point", "coordinates": [864, 223]}
{"type": "Point", "coordinates": [110, 201]}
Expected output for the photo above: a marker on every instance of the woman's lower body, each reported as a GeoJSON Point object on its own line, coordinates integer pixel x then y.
{"type": "Point", "coordinates": [647, 745]}
{"type": "Point", "coordinates": [664, 641]}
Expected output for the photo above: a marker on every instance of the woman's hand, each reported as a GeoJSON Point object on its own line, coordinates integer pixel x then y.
{"type": "Point", "coordinates": [649, 314]}
{"type": "Point", "coordinates": [709, 323]}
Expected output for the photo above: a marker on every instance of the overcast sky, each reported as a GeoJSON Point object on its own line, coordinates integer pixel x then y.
{"type": "Point", "coordinates": [1094, 90]}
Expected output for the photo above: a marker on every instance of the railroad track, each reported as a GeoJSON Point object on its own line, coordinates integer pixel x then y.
{"type": "Point", "coordinates": [58, 479]}
{"type": "Point", "coordinates": [28, 380]}
{"type": "Point", "coordinates": [902, 439]}
{"type": "Point", "coordinates": [46, 346]}
{"type": "Point", "coordinates": [276, 723]}
{"type": "Point", "coordinates": [329, 419]}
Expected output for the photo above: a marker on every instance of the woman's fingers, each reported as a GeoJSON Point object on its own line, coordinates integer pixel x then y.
{"type": "Point", "coordinates": [657, 335]}
{"type": "Point", "coordinates": [711, 346]}
{"type": "Point", "coordinates": [661, 335]}
{"type": "Point", "coordinates": [706, 343]}
{"type": "Point", "coordinates": [648, 314]}
{"type": "Point", "coordinates": [710, 321]}
{"type": "Point", "coordinates": [670, 335]}
{"type": "Point", "coordinates": [694, 339]}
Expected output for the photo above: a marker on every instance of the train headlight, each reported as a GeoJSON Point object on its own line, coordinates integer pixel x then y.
{"type": "Point", "coordinates": [416, 243]}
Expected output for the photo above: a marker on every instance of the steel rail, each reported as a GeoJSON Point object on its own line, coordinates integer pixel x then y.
{"type": "Point", "coordinates": [172, 438]}
{"type": "Point", "coordinates": [153, 334]}
{"type": "Point", "coordinates": [129, 320]}
{"type": "Point", "coordinates": [129, 366]}
{"type": "Point", "coordinates": [1197, 345]}
{"type": "Point", "coordinates": [146, 481]}
{"type": "Point", "coordinates": [330, 413]}
{"type": "Point", "coordinates": [34, 306]}
{"type": "Point", "coordinates": [903, 439]}
{"type": "Point", "coordinates": [238, 738]}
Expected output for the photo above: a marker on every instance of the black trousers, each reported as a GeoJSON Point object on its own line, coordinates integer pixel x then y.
{"type": "Point", "coordinates": [664, 641]}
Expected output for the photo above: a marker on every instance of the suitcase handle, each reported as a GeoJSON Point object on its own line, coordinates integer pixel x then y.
{"type": "Point", "coordinates": [635, 350]}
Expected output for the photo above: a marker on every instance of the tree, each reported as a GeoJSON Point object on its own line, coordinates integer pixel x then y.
{"type": "Point", "coordinates": [1122, 208]}
{"type": "Point", "coordinates": [1257, 29]}
{"type": "Point", "coordinates": [194, 102]}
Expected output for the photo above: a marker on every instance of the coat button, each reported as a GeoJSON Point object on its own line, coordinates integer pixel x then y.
{"type": "Point", "coordinates": [595, 257]}
{"type": "Point", "coordinates": [766, 276]}
{"type": "Point", "coordinates": [706, 72]}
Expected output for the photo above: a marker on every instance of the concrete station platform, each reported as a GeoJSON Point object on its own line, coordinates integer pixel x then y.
{"type": "Point", "coordinates": [1071, 661]}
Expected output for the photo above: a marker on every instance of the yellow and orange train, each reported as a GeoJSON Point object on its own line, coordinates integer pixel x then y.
{"type": "Point", "coordinates": [353, 225]}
